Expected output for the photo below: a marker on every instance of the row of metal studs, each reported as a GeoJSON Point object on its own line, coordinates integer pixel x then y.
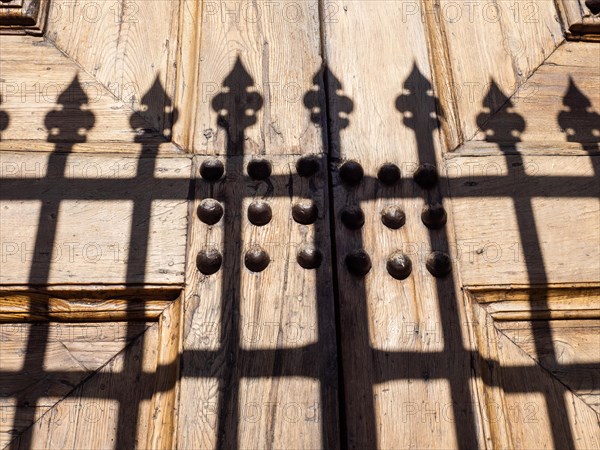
{"type": "Point", "coordinates": [434, 216]}
{"type": "Point", "coordinates": [210, 211]}
{"type": "Point", "coordinates": [305, 212]}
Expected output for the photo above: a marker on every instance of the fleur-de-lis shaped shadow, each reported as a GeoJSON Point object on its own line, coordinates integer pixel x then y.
{"type": "Point", "coordinates": [68, 125]}
{"type": "Point", "coordinates": [144, 131]}
{"type": "Point", "coordinates": [237, 107]}
{"type": "Point", "coordinates": [579, 122]}
{"type": "Point", "coordinates": [341, 105]}
{"type": "Point", "coordinates": [418, 106]}
{"type": "Point", "coordinates": [507, 125]}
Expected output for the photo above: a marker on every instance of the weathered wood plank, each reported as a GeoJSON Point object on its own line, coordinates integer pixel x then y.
{"type": "Point", "coordinates": [74, 351]}
{"type": "Point", "coordinates": [35, 73]}
{"type": "Point", "coordinates": [578, 20]}
{"type": "Point", "coordinates": [517, 393]}
{"type": "Point", "coordinates": [496, 238]}
{"type": "Point", "coordinates": [490, 41]}
{"type": "Point", "coordinates": [85, 307]}
{"type": "Point", "coordinates": [392, 397]}
{"type": "Point", "coordinates": [279, 45]}
{"type": "Point", "coordinates": [259, 348]}
{"type": "Point", "coordinates": [92, 415]}
{"type": "Point", "coordinates": [560, 103]}
{"type": "Point", "coordinates": [125, 45]}
{"type": "Point", "coordinates": [271, 376]}
{"type": "Point", "coordinates": [96, 241]}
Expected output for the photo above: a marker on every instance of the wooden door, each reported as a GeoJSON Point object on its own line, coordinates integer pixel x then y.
{"type": "Point", "coordinates": [314, 224]}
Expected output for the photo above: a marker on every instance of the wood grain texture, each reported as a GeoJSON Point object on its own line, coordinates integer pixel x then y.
{"type": "Point", "coordinates": [498, 243]}
{"type": "Point", "coordinates": [125, 45]}
{"type": "Point", "coordinates": [73, 351]}
{"type": "Point", "coordinates": [538, 303]}
{"type": "Point", "coordinates": [162, 433]}
{"type": "Point", "coordinates": [560, 102]}
{"type": "Point", "coordinates": [89, 416]}
{"type": "Point", "coordinates": [94, 242]}
{"type": "Point", "coordinates": [515, 401]}
{"type": "Point", "coordinates": [573, 341]}
{"type": "Point", "coordinates": [401, 340]}
{"type": "Point", "coordinates": [259, 348]}
{"type": "Point", "coordinates": [67, 306]}
{"type": "Point", "coordinates": [34, 73]}
{"type": "Point", "coordinates": [491, 41]}
{"type": "Point", "coordinates": [280, 48]}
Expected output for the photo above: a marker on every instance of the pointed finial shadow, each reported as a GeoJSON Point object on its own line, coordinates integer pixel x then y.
{"type": "Point", "coordinates": [507, 125]}
{"type": "Point", "coordinates": [154, 110]}
{"type": "Point", "coordinates": [70, 123]}
{"type": "Point", "coordinates": [315, 100]}
{"type": "Point", "coordinates": [579, 122]}
{"type": "Point", "coordinates": [418, 106]}
{"type": "Point", "coordinates": [238, 105]}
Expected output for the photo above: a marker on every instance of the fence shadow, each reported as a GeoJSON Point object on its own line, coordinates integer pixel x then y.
{"type": "Point", "coordinates": [237, 110]}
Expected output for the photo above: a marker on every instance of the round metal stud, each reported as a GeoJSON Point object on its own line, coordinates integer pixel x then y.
{"type": "Point", "coordinates": [434, 216]}
{"type": "Point", "coordinates": [426, 176]}
{"type": "Point", "coordinates": [210, 211]}
{"type": "Point", "coordinates": [358, 263]}
{"type": "Point", "coordinates": [399, 266]}
{"type": "Point", "coordinates": [212, 170]}
{"type": "Point", "coordinates": [439, 264]}
{"type": "Point", "coordinates": [389, 174]}
{"type": "Point", "coordinates": [309, 257]}
{"type": "Point", "coordinates": [209, 261]}
{"type": "Point", "coordinates": [393, 217]}
{"type": "Point", "coordinates": [256, 259]}
{"type": "Point", "coordinates": [305, 212]}
{"type": "Point", "coordinates": [351, 173]}
{"type": "Point", "coordinates": [259, 213]}
{"type": "Point", "coordinates": [307, 166]}
{"type": "Point", "coordinates": [353, 217]}
{"type": "Point", "coordinates": [259, 169]}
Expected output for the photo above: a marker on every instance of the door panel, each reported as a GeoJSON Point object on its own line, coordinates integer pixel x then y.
{"type": "Point", "coordinates": [259, 350]}
{"type": "Point", "coordinates": [81, 384]}
{"type": "Point", "coordinates": [537, 218]}
{"type": "Point", "coordinates": [76, 350]}
{"type": "Point", "coordinates": [539, 374]}
{"type": "Point", "coordinates": [404, 359]}
{"type": "Point", "coordinates": [424, 176]}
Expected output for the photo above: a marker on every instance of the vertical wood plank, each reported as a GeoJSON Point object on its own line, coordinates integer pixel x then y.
{"type": "Point", "coordinates": [259, 363]}
{"type": "Point", "coordinates": [279, 45]}
{"type": "Point", "coordinates": [405, 362]}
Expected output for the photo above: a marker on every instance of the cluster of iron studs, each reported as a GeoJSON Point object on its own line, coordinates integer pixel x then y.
{"type": "Point", "coordinates": [256, 259]}
{"type": "Point", "coordinates": [433, 216]}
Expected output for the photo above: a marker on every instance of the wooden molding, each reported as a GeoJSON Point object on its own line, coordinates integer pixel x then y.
{"type": "Point", "coordinates": [23, 16]}
{"type": "Point", "coordinates": [580, 23]}
{"type": "Point", "coordinates": [84, 306]}
{"type": "Point", "coordinates": [538, 303]}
